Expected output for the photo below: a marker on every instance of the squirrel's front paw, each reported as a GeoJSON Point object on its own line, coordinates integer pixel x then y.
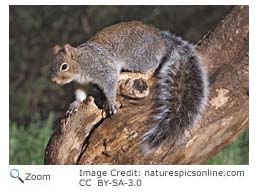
{"type": "Point", "coordinates": [110, 108]}
{"type": "Point", "coordinates": [73, 108]}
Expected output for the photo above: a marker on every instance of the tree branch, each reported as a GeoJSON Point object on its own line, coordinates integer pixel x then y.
{"type": "Point", "coordinates": [88, 138]}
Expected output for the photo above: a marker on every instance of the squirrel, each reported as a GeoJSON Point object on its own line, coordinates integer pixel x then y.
{"type": "Point", "coordinates": [182, 83]}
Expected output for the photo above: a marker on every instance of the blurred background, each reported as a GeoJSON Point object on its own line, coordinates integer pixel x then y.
{"type": "Point", "coordinates": [36, 104]}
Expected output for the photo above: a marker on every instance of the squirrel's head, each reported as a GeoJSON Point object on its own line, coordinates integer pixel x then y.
{"type": "Point", "coordinates": [64, 68]}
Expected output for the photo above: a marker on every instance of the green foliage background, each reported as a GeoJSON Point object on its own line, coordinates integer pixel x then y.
{"type": "Point", "coordinates": [27, 144]}
{"type": "Point", "coordinates": [36, 104]}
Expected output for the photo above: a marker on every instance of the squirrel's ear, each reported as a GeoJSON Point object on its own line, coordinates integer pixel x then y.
{"type": "Point", "coordinates": [70, 51]}
{"type": "Point", "coordinates": [56, 49]}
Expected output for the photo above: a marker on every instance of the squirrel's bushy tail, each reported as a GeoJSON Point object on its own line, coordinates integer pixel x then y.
{"type": "Point", "coordinates": [182, 93]}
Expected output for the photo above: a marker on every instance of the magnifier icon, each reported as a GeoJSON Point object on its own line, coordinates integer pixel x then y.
{"type": "Point", "coordinates": [14, 173]}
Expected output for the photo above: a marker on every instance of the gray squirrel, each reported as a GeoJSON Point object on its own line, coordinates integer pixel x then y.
{"type": "Point", "coordinates": [182, 84]}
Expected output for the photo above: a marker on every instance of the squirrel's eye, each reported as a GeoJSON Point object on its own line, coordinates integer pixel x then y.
{"type": "Point", "coordinates": [64, 67]}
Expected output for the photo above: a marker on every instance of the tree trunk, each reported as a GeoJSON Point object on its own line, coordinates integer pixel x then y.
{"type": "Point", "coordinates": [87, 137]}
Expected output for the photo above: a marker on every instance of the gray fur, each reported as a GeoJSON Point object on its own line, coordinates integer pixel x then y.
{"type": "Point", "coordinates": [133, 46]}
{"type": "Point", "coordinates": [177, 108]}
{"type": "Point", "coordinates": [90, 56]}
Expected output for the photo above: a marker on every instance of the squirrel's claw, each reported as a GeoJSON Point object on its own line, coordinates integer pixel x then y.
{"type": "Point", "coordinates": [73, 108]}
{"type": "Point", "coordinates": [110, 108]}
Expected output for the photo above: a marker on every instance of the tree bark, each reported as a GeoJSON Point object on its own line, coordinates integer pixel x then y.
{"type": "Point", "coordinates": [87, 137]}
